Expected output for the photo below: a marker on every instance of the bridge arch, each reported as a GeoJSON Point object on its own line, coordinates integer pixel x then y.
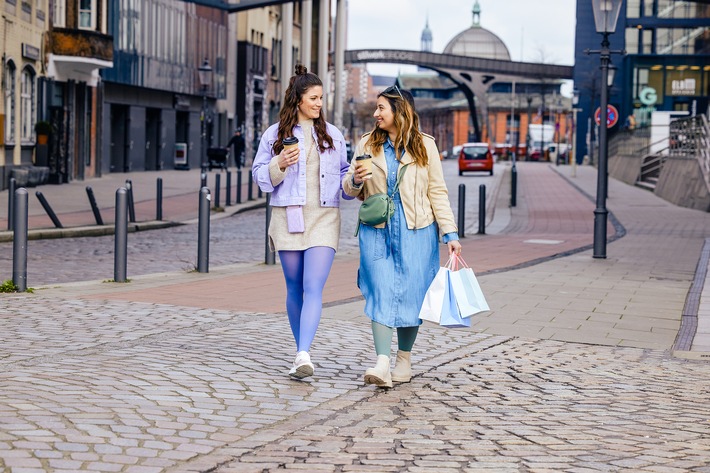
{"type": "Point", "coordinates": [472, 75]}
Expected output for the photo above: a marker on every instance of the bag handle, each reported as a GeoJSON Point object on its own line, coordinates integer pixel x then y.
{"type": "Point", "coordinates": [459, 258]}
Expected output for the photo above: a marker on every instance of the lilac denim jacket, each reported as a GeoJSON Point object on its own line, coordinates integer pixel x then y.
{"type": "Point", "coordinates": [292, 190]}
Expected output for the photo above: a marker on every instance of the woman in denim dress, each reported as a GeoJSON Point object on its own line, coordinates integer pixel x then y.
{"type": "Point", "coordinates": [399, 259]}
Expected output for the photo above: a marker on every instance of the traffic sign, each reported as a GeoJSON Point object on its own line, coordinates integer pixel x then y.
{"type": "Point", "coordinates": [612, 116]}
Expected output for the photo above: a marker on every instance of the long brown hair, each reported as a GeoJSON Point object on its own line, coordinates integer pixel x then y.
{"type": "Point", "coordinates": [298, 85]}
{"type": "Point", "coordinates": [407, 122]}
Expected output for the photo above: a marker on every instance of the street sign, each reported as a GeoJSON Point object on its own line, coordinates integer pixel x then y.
{"type": "Point", "coordinates": [612, 116]}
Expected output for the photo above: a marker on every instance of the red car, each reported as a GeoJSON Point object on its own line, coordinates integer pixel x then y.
{"type": "Point", "coordinates": [475, 157]}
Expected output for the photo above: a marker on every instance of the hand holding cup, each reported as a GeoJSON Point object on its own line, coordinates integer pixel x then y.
{"type": "Point", "coordinates": [363, 168]}
{"type": "Point", "coordinates": [289, 155]}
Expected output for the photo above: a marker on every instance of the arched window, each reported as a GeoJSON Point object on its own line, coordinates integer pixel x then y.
{"type": "Point", "coordinates": [10, 102]}
{"type": "Point", "coordinates": [27, 105]}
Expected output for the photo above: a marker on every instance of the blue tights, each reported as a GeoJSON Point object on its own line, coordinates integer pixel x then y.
{"type": "Point", "coordinates": [305, 273]}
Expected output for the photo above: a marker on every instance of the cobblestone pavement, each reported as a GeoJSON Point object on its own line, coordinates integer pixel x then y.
{"type": "Point", "coordinates": [134, 387]}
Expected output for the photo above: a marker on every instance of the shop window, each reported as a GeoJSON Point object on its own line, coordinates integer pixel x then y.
{"type": "Point", "coordinates": [28, 115]}
{"type": "Point", "coordinates": [10, 72]}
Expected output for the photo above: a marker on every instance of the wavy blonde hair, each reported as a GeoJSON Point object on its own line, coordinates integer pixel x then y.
{"type": "Point", "coordinates": [406, 120]}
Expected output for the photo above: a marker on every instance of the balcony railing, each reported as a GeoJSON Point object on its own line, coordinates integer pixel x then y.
{"type": "Point", "coordinates": [81, 43]}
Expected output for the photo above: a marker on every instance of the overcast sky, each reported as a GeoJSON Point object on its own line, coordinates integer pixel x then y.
{"type": "Point", "coordinates": [533, 31]}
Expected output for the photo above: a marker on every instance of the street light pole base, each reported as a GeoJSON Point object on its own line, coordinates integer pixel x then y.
{"type": "Point", "coordinates": [600, 223]}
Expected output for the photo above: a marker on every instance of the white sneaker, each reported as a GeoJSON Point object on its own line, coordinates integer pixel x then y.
{"type": "Point", "coordinates": [302, 366]}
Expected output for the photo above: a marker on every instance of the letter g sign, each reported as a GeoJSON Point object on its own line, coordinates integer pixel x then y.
{"type": "Point", "coordinates": [648, 96]}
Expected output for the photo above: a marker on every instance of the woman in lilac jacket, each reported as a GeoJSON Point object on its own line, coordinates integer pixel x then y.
{"type": "Point", "coordinates": [305, 185]}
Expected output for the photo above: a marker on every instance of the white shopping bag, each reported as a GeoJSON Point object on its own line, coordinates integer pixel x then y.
{"type": "Point", "coordinates": [475, 301]}
{"type": "Point", "coordinates": [434, 297]}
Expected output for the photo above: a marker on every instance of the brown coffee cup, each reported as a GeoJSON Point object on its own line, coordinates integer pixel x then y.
{"type": "Point", "coordinates": [366, 161]}
{"type": "Point", "coordinates": [290, 142]}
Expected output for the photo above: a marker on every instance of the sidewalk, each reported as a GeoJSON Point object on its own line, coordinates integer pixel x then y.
{"type": "Point", "coordinates": [580, 366]}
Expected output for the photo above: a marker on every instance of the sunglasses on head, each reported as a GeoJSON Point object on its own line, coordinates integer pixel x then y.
{"type": "Point", "coordinates": [391, 90]}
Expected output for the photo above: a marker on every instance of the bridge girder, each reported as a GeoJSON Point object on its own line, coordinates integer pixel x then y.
{"type": "Point", "coordinates": [472, 75]}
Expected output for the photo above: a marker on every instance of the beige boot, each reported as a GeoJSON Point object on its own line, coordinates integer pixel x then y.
{"type": "Point", "coordinates": [402, 372]}
{"type": "Point", "coordinates": [380, 374]}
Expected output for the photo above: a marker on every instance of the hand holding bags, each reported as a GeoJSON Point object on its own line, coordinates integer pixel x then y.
{"type": "Point", "coordinates": [453, 296]}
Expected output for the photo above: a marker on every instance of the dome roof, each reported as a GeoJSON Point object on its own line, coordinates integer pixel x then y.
{"type": "Point", "coordinates": [477, 41]}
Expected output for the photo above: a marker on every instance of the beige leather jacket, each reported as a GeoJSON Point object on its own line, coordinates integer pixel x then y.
{"type": "Point", "coordinates": [423, 190]}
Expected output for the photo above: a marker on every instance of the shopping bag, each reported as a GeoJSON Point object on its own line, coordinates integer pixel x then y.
{"type": "Point", "coordinates": [474, 295]}
{"type": "Point", "coordinates": [435, 297]}
{"type": "Point", "coordinates": [458, 289]}
{"type": "Point", "coordinates": [450, 314]}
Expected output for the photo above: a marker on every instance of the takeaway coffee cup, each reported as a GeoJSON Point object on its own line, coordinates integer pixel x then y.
{"type": "Point", "coordinates": [290, 142]}
{"type": "Point", "coordinates": [366, 161]}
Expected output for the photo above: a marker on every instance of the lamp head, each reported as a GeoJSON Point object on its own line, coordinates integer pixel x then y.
{"type": "Point", "coordinates": [575, 97]}
{"type": "Point", "coordinates": [204, 73]}
{"type": "Point", "coordinates": [606, 14]}
{"type": "Point", "coordinates": [611, 74]}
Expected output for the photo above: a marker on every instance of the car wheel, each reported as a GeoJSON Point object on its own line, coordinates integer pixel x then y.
{"type": "Point", "coordinates": [491, 172]}
{"type": "Point", "coordinates": [460, 173]}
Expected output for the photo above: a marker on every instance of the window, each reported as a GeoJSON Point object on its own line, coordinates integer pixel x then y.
{"type": "Point", "coordinates": [87, 14]}
{"type": "Point", "coordinates": [59, 18]}
{"type": "Point", "coordinates": [10, 103]}
{"type": "Point", "coordinates": [27, 105]}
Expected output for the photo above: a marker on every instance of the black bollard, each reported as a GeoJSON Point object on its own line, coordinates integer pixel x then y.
{"type": "Point", "coordinates": [19, 240]}
{"type": "Point", "coordinates": [482, 209]}
{"type": "Point", "coordinates": [10, 205]}
{"type": "Point", "coordinates": [217, 190]}
{"type": "Point", "coordinates": [270, 256]}
{"type": "Point", "coordinates": [203, 235]}
{"type": "Point", "coordinates": [250, 194]}
{"type": "Point", "coordinates": [94, 207]}
{"type": "Point", "coordinates": [239, 186]}
{"type": "Point", "coordinates": [159, 199]}
{"type": "Point", "coordinates": [120, 253]}
{"type": "Point", "coordinates": [131, 205]}
{"type": "Point", "coordinates": [513, 185]}
{"type": "Point", "coordinates": [229, 189]}
{"type": "Point", "coordinates": [462, 209]}
{"type": "Point", "coordinates": [48, 209]}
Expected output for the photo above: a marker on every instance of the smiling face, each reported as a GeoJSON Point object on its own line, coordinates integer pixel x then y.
{"type": "Point", "coordinates": [385, 116]}
{"type": "Point", "coordinates": [311, 103]}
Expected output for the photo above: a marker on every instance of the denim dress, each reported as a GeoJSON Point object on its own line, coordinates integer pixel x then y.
{"type": "Point", "coordinates": [397, 265]}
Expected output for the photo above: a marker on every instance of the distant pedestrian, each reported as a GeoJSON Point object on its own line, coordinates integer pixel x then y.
{"type": "Point", "coordinates": [399, 259]}
{"type": "Point", "coordinates": [236, 142]}
{"type": "Point", "coordinates": [305, 182]}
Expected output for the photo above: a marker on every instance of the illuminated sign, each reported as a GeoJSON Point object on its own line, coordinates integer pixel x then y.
{"type": "Point", "coordinates": [683, 87]}
{"type": "Point", "coordinates": [648, 96]}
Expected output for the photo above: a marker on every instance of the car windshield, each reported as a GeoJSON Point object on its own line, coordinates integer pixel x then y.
{"type": "Point", "coordinates": [475, 152]}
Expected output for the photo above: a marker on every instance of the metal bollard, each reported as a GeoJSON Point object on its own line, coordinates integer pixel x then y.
{"type": "Point", "coordinates": [270, 256]}
{"type": "Point", "coordinates": [120, 247]}
{"type": "Point", "coordinates": [10, 200]}
{"type": "Point", "coordinates": [513, 185]}
{"type": "Point", "coordinates": [229, 189]}
{"type": "Point", "coordinates": [482, 209]}
{"type": "Point", "coordinates": [259, 193]}
{"type": "Point", "coordinates": [48, 209]}
{"type": "Point", "coordinates": [462, 209]}
{"type": "Point", "coordinates": [217, 190]}
{"type": "Point", "coordinates": [19, 240]}
{"type": "Point", "coordinates": [203, 236]}
{"type": "Point", "coordinates": [94, 207]}
{"type": "Point", "coordinates": [131, 205]}
{"type": "Point", "coordinates": [159, 199]}
{"type": "Point", "coordinates": [203, 179]}
{"type": "Point", "coordinates": [250, 194]}
{"type": "Point", "coordinates": [239, 186]}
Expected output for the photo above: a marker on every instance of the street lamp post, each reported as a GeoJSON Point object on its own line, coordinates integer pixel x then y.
{"type": "Point", "coordinates": [204, 75]}
{"type": "Point", "coordinates": [606, 14]}
{"type": "Point", "coordinates": [575, 102]}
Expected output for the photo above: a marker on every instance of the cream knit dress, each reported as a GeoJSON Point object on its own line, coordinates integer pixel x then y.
{"type": "Point", "coordinates": [322, 224]}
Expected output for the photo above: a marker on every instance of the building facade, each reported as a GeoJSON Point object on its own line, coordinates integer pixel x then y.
{"type": "Point", "coordinates": [22, 29]}
{"type": "Point", "coordinates": [666, 65]}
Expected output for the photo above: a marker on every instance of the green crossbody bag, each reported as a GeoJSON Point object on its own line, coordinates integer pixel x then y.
{"type": "Point", "coordinates": [378, 208]}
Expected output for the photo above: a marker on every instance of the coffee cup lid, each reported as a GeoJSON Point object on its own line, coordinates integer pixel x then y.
{"type": "Point", "coordinates": [364, 156]}
{"type": "Point", "coordinates": [290, 140]}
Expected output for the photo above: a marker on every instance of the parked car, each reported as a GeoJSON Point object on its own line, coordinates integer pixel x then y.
{"type": "Point", "coordinates": [475, 157]}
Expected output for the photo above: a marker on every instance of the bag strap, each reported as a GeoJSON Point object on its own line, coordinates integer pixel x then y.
{"type": "Point", "coordinates": [399, 178]}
